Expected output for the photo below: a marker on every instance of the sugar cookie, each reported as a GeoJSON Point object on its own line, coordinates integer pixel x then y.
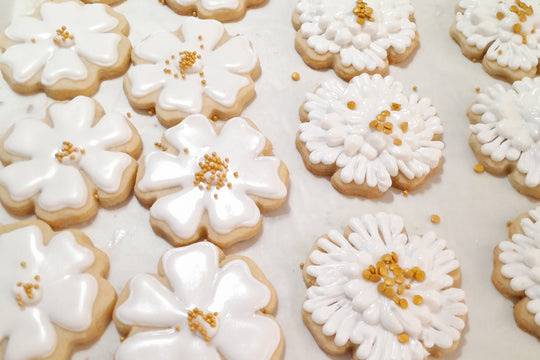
{"type": "Point", "coordinates": [222, 10]}
{"type": "Point", "coordinates": [381, 294]}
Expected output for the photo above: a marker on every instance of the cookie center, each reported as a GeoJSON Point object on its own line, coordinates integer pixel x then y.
{"type": "Point", "coordinates": [183, 64]}
{"type": "Point", "coordinates": [203, 324]}
{"type": "Point", "coordinates": [213, 172]}
{"type": "Point", "coordinates": [63, 37]}
{"type": "Point", "coordinates": [363, 12]}
{"type": "Point", "coordinates": [69, 154]}
{"type": "Point", "coordinates": [27, 291]}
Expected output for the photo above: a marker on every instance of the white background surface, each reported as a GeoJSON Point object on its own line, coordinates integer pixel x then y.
{"type": "Point", "coordinates": [474, 208]}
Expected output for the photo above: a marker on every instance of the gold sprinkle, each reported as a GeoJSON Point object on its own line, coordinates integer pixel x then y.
{"type": "Point", "coordinates": [500, 15]}
{"type": "Point", "coordinates": [403, 338]}
{"type": "Point", "coordinates": [396, 107]}
{"type": "Point", "coordinates": [477, 89]}
{"type": "Point", "coordinates": [128, 115]}
{"type": "Point", "coordinates": [417, 299]}
{"type": "Point", "coordinates": [177, 328]}
{"type": "Point", "coordinates": [351, 105]}
{"type": "Point", "coordinates": [479, 168]}
{"type": "Point", "coordinates": [435, 219]}
{"type": "Point", "coordinates": [405, 193]}
{"type": "Point", "coordinates": [215, 117]}
{"type": "Point", "coordinates": [397, 142]}
{"type": "Point", "coordinates": [516, 28]}
{"type": "Point", "coordinates": [23, 264]}
{"type": "Point", "coordinates": [363, 12]}
{"type": "Point", "coordinates": [295, 76]}
{"type": "Point", "coordinates": [404, 126]}
{"type": "Point", "coordinates": [415, 88]}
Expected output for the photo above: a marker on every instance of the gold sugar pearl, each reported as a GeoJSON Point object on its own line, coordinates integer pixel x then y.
{"type": "Point", "coordinates": [436, 219]}
{"type": "Point", "coordinates": [479, 168]}
{"type": "Point", "coordinates": [403, 338]}
{"type": "Point", "coordinates": [351, 105]}
{"type": "Point", "coordinates": [397, 142]}
{"type": "Point", "coordinates": [295, 76]}
{"type": "Point", "coordinates": [417, 300]}
{"type": "Point", "coordinates": [395, 107]}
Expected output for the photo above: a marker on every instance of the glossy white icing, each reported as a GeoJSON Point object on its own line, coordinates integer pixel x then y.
{"type": "Point", "coordinates": [351, 309]}
{"type": "Point", "coordinates": [211, 5]}
{"type": "Point", "coordinates": [197, 280]}
{"type": "Point", "coordinates": [337, 134]}
{"type": "Point", "coordinates": [330, 26]}
{"type": "Point", "coordinates": [220, 71]}
{"type": "Point", "coordinates": [42, 286]}
{"type": "Point", "coordinates": [521, 261]}
{"type": "Point", "coordinates": [40, 44]}
{"type": "Point", "coordinates": [57, 180]}
{"type": "Point", "coordinates": [509, 126]}
{"type": "Point", "coordinates": [228, 207]}
{"type": "Point", "coordinates": [488, 25]}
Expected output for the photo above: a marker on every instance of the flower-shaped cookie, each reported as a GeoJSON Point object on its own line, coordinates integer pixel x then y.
{"type": "Point", "coordinates": [66, 50]}
{"type": "Point", "coordinates": [355, 37]}
{"type": "Point", "coordinates": [202, 71]}
{"type": "Point", "coordinates": [66, 165]}
{"type": "Point", "coordinates": [516, 271]}
{"type": "Point", "coordinates": [222, 10]}
{"type": "Point", "coordinates": [53, 295]}
{"type": "Point", "coordinates": [506, 133]}
{"type": "Point", "coordinates": [200, 305]}
{"type": "Point", "coordinates": [501, 32]}
{"type": "Point", "coordinates": [211, 180]}
{"type": "Point", "coordinates": [369, 136]}
{"type": "Point", "coordinates": [382, 294]}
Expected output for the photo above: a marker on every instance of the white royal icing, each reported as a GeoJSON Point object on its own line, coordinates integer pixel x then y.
{"type": "Point", "coordinates": [351, 309]}
{"type": "Point", "coordinates": [509, 126]}
{"type": "Point", "coordinates": [58, 182]}
{"type": "Point", "coordinates": [219, 72]}
{"type": "Point", "coordinates": [197, 280]}
{"type": "Point", "coordinates": [211, 5]}
{"type": "Point", "coordinates": [42, 286]}
{"type": "Point", "coordinates": [521, 261]}
{"type": "Point", "coordinates": [488, 25]}
{"type": "Point", "coordinates": [337, 134]}
{"type": "Point", "coordinates": [330, 26]}
{"type": "Point", "coordinates": [39, 47]}
{"type": "Point", "coordinates": [227, 207]}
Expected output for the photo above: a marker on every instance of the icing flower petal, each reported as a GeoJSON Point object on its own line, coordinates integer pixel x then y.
{"type": "Point", "coordinates": [26, 28]}
{"type": "Point", "coordinates": [261, 178]}
{"type": "Point", "coordinates": [254, 330]}
{"type": "Point", "coordinates": [98, 48]}
{"type": "Point", "coordinates": [165, 345]}
{"type": "Point", "coordinates": [150, 304]}
{"type": "Point", "coordinates": [184, 95]}
{"type": "Point", "coordinates": [63, 64]}
{"type": "Point", "coordinates": [237, 55]}
{"type": "Point", "coordinates": [32, 327]}
{"type": "Point", "coordinates": [31, 138]}
{"type": "Point", "coordinates": [220, 4]}
{"type": "Point", "coordinates": [73, 116]}
{"type": "Point", "coordinates": [194, 133]}
{"type": "Point", "coordinates": [63, 249]}
{"type": "Point", "coordinates": [164, 170]}
{"type": "Point", "coordinates": [233, 210]}
{"type": "Point", "coordinates": [213, 31]}
{"type": "Point", "coordinates": [24, 179]}
{"type": "Point", "coordinates": [103, 166]}
{"type": "Point", "coordinates": [27, 59]}
{"type": "Point", "coordinates": [64, 188]}
{"type": "Point", "coordinates": [158, 46]}
{"type": "Point", "coordinates": [110, 131]}
{"type": "Point", "coordinates": [237, 128]}
{"type": "Point", "coordinates": [92, 17]}
{"type": "Point", "coordinates": [146, 78]}
{"type": "Point", "coordinates": [223, 86]}
{"type": "Point", "coordinates": [237, 293]}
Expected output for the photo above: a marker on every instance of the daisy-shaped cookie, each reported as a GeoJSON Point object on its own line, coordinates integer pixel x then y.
{"type": "Point", "coordinates": [382, 294]}
{"type": "Point", "coordinates": [222, 10]}
{"type": "Point", "coordinates": [62, 168]}
{"type": "Point", "coordinates": [200, 70]}
{"type": "Point", "coordinates": [506, 133]}
{"type": "Point", "coordinates": [500, 33]}
{"type": "Point", "coordinates": [368, 135]}
{"type": "Point", "coordinates": [211, 180]}
{"type": "Point", "coordinates": [516, 269]}
{"type": "Point", "coordinates": [66, 49]}
{"type": "Point", "coordinates": [53, 292]}
{"type": "Point", "coordinates": [355, 37]}
{"type": "Point", "coordinates": [200, 305]}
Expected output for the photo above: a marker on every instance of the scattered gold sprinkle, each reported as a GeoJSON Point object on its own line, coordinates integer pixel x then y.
{"type": "Point", "coordinates": [196, 327]}
{"type": "Point", "coordinates": [68, 150]}
{"type": "Point", "coordinates": [23, 264]}
{"type": "Point", "coordinates": [500, 15]}
{"type": "Point", "coordinates": [215, 117]}
{"type": "Point", "coordinates": [395, 107]}
{"type": "Point", "coordinates": [435, 219]}
{"type": "Point", "coordinates": [363, 12]}
{"type": "Point", "coordinates": [160, 146]}
{"type": "Point", "coordinates": [479, 168]}
{"type": "Point", "coordinates": [404, 126]}
{"type": "Point", "coordinates": [415, 88]}
{"type": "Point", "coordinates": [295, 76]}
{"type": "Point", "coordinates": [403, 338]}
{"type": "Point", "coordinates": [417, 300]}
{"type": "Point", "coordinates": [477, 89]}
{"type": "Point", "coordinates": [194, 13]}
{"type": "Point", "coordinates": [397, 142]}
{"type": "Point", "coordinates": [351, 105]}
{"type": "Point", "coordinates": [128, 115]}
{"type": "Point", "coordinates": [405, 193]}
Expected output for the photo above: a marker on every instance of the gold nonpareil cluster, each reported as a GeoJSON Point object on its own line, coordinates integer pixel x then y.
{"type": "Point", "coordinates": [213, 172]}
{"type": "Point", "coordinates": [381, 123]}
{"type": "Point", "coordinates": [196, 327]}
{"type": "Point", "coordinates": [62, 35]}
{"type": "Point", "coordinates": [27, 289]}
{"type": "Point", "coordinates": [181, 65]}
{"type": "Point", "coordinates": [523, 11]}
{"type": "Point", "coordinates": [363, 12]}
{"type": "Point", "coordinates": [68, 151]}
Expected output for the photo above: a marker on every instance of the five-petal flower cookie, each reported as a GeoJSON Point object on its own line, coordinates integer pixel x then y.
{"type": "Point", "coordinates": [53, 294]}
{"type": "Point", "coordinates": [355, 37]}
{"type": "Point", "coordinates": [516, 270]}
{"type": "Point", "coordinates": [500, 33]}
{"type": "Point", "coordinates": [222, 10]}
{"type": "Point", "coordinates": [201, 70]}
{"type": "Point", "coordinates": [383, 294]}
{"type": "Point", "coordinates": [506, 133]}
{"type": "Point", "coordinates": [211, 180]}
{"type": "Point", "coordinates": [66, 50]}
{"type": "Point", "coordinates": [200, 305]}
{"type": "Point", "coordinates": [64, 166]}
{"type": "Point", "coordinates": [368, 135]}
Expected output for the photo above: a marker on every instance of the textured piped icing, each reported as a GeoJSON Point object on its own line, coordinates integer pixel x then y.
{"type": "Point", "coordinates": [186, 71]}
{"type": "Point", "coordinates": [225, 196]}
{"type": "Point", "coordinates": [509, 125]}
{"type": "Point", "coordinates": [54, 158]}
{"type": "Point", "coordinates": [207, 310]}
{"type": "Point", "coordinates": [332, 26]}
{"type": "Point", "coordinates": [505, 29]}
{"type": "Point", "coordinates": [371, 130]}
{"type": "Point", "coordinates": [42, 286]}
{"type": "Point", "coordinates": [382, 320]}
{"type": "Point", "coordinates": [521, 261]}
{"type": "Point", "coordinates": [59, 42]}
{"type": "Point", "coordinates": [211, 5]}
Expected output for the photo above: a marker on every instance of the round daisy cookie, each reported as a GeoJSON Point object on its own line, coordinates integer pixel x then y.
{"type": "Point", "coordinates": [200, 305]}
{"type": "Point", "coordinates": [62, 168]}
{"type": "Point", "coordinates": [381, 294]}
{"type": "Point", "coordinates": [222, 10]}
{"type": "Point", "coordinates": [53, 294]}
{"type": "Point", "coordinates": [355, 37]}
{"type": "Point", "coordinates": [66, 49]}
{"type": "Point", "coordinates": [201, 69]}
{"type": "Point", "coordinates": [500, 33]}
{"type": "Point", "coordinates": [369, 136]}
{"type": "Point", "coordinates": [516, 266]}
{"type": "Point", "coordinates": [506, 133]}
{"type": "Point", "coordinates": [211, 179]}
